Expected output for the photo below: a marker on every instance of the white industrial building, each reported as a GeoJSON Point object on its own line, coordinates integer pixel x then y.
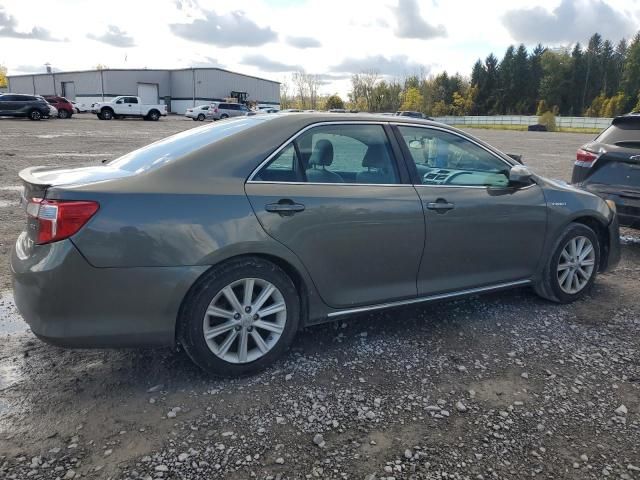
{"type": "Point", "coordinates": [178, 89]}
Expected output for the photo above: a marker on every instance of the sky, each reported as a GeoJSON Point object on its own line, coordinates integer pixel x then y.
{"type": "Point", "coordinates": [273, 38]}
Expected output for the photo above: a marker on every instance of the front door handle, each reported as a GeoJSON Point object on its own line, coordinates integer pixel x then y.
{"type": "Point", "coordinates": [284, 207]}
{"type": "Point", "coordinates": [440, 205]}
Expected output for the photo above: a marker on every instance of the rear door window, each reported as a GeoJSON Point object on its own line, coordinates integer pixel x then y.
{"type": "Point", "coordinates": [351, 154]}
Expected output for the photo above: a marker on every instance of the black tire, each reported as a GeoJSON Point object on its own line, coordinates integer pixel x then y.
{"type": "Point", "coordinates": [549, 285]}
{"type": "Point", "coordinates": [63, 114]}
{"type": "Point", "coordinates": [201, 117]}
{"type": "Point", "coordinates": [35, 115]}
{"type": "Point", "coordinates": [194, 119]}
{"type": "Point", "coordinates": [190, 330]}
{"type": "Point", "coordinates": [223, 116]}
{"type": "Point", "coordinates": [107, 114]}
{"type": "Point", "coordinates": [99, 115]}
{"type": "Point", "coordinates": [153, 115]}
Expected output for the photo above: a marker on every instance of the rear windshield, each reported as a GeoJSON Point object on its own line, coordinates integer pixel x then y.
{"type": "Point", "coordinates": [627, 132]}
{"type": "Point", "coordinates": [176, 146]}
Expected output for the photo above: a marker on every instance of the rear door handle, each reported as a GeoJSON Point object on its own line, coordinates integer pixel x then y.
{"type": "Point", "coordinates": [284, 207]}
{"type": "Point", "coordinates": [440, 205]}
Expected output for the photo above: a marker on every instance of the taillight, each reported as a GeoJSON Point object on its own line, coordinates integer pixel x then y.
{"type": "Point", "coordinates": [585, 158]}
{"type": "Point", "coordinates": [215, 110]}
{"type": "Point", "coordinates": [59, 219]}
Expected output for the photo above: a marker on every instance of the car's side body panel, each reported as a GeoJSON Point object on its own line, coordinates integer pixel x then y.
{"type": "Point", "coordinates": [70, 303]}
{"type": "Point", "coordinates": [360, 243]}
{"type": "Point", "coordinates": [492, 235]}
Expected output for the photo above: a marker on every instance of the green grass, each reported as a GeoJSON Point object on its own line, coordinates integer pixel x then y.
{"type": "Point", "coordinates": [523, 128]}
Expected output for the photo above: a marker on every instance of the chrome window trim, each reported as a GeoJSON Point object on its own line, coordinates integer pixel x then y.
{"type": "Point", "coordinates": [429, 298]}
{"type": "Point", "coordinates": [266, 182]}
{"type": "Point", "coordinates": [369, 122]}
{"type": "Point", "coordinates": [423, 185]}
{"type": "Point", "coordinates": [300, 132]}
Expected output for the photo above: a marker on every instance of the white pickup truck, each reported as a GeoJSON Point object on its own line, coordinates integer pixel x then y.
{"type": "Point", "coordinates": [127, 106]}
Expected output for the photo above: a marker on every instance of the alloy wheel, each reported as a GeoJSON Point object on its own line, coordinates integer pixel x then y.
{"type": "Point", "coordinates": [245, 320]}
{"type": "Point", "coordinates": [576, 265]}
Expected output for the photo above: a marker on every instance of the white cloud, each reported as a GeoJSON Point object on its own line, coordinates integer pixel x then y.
{"type": "Point", "coordinates": [353, 35]}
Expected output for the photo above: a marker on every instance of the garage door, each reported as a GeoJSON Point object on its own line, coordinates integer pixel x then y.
{"type": "Point", "coordinates": [148, 92]}
{"type": "Point", "coordinates": [69, 91]}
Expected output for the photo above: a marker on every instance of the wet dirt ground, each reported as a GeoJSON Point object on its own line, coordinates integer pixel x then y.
{"type": "Point", "coordinates": [497, 386]}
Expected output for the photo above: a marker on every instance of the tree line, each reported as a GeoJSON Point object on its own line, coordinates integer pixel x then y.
{"type": "Point", "coordinates": [601, 79]}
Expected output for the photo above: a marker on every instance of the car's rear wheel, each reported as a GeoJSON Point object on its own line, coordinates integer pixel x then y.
{"type": "Point", "coordinates": [63, 114]}
{"type": "Point", "coordinates": [223, 116]}
{"type": "Point", "coordinates": [35, 115]}
{"type": "Point", "coordinates": [573, 266]}
{"type": "Point", "coordinates": [154, 115]}
{"type": "Point", "coordinates": [240, 317]}
{"type": "Point", "coordinates": [201, 117]}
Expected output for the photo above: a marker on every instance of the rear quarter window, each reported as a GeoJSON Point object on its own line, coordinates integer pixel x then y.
{"type": "Point", "coordinates": [621, 133]}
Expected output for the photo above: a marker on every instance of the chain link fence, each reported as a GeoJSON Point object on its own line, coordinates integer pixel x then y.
{"type": "Point", "coordinates": [525, 120]}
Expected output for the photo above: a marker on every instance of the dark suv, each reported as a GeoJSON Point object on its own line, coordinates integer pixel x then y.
{"type": "Point", "coordinates": [17, 105]}
{"type": "Point", "coordinates": [610, 167]}
{"type": "Point", "coordinates": [64, 106]}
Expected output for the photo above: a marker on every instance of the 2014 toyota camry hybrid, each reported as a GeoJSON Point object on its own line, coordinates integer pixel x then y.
{"type": "Point", "coordinates": [228, 238]}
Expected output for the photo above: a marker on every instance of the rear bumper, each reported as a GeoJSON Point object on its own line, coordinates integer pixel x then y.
{"type": "Point", "coordinates": [69, 303]}
{"type": "Point", "coordinates": [628, 207]}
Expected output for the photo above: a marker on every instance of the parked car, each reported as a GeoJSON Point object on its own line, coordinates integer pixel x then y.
{"type": "Point", "coordinates": [229, 238]}
{"type": "Point", "coordinates": [197, 113]}
{"type": "Point", "coordinates": [33, 107]}
{"type": "Point", "coordinates": [267, 110]}
{"type": "Point", "coordinates": [220, 111]}
{"type": "Point", "coordinates": [81, 107]}
{"type": "Point", "coordinates": [408, 113]}
{"type": "Point", "coordinates": [610, 167]}
{"type": "Point", "coordinates": [65, 107]}
{"type": "Point", "coordinates": [291, 110]}
{"type": "Point", "coordinates": [127, 106]}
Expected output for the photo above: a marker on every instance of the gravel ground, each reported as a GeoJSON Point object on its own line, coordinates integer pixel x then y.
{"type": "Point", "coordinates": [498, 386]}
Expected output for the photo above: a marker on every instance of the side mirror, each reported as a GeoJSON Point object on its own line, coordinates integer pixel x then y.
{"type": "Point", "coordinates": [519, 174]}
{"type": "Point", "coordinates": [415, 144]}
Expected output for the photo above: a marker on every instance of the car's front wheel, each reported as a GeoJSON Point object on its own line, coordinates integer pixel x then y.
{"type": "Point", "coordinates": [573, 266]}
{"type": "Point", "coordinates": [240, 317]}
{"type": "Point", "coordinates": [35, 115]}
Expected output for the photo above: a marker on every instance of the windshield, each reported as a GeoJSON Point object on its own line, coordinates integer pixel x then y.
{"type": "Point", "coordinates": [176, 146]}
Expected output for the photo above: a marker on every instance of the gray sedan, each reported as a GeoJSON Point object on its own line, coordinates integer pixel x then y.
{"type": "Point", "coordinates": [228, 238]}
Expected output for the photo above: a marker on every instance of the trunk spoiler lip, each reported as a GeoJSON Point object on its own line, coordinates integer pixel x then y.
{"type": "Point", "coordinates": [27, 175]}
